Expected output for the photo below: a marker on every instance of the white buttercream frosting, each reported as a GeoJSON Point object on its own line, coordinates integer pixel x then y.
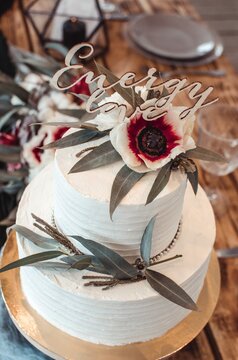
{"type": "Point", "coordinates": [126, 313]}
{"type": "Point", "coordinates": [81, 205]}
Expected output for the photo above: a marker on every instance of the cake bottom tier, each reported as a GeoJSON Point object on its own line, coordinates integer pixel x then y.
{"type": "Point", "coordinates": [126, 313]}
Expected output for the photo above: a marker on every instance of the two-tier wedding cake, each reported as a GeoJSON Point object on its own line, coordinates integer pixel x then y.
{"type": "Point", "coordinates": [127, 250]}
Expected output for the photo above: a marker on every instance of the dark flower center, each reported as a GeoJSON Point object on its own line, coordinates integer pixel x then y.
{"type": "Point", "coordinates": [151, 141]}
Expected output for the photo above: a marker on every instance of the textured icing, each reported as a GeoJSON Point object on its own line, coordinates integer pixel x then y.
{"type": "Point", "coordinates": [81, 205]}
{"type": "Point", "coordinates": [112, 317]}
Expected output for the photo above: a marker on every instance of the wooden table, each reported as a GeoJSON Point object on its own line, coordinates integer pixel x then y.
{"type": "Point", "coordinates": [219, 340]}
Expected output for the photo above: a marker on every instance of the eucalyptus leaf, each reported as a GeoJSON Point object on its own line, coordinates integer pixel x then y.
{"type": "Point", "coordinates": [10, 154]}
{"type": "Point", "coordinates": [82, 97]}
{"type": "Point", "coordinates": [61, 49]}
{"type": "Point", "coordinates": [204, 154]}
{"type": "Point", "coordinates": [76, 138]}
{"type": "Point", "coordinates": [41, 241]}
{"type": "Point", "coordinates": [12, 187]}
{"type": "Point", "coordinates": [32, 259]}
{"type": "Point", "coordinates": [51, 265]}
{"type": "Point", "coordinates": [116, 265]}
{"type": "Point", "coordinates": [9, 149]}
{"type": "Point", "coordinates": [42, 67]}
{"type": "Point", "coordinates": [169, 289]}
{"type": "Point", "coordinates": [193, 179]}
{"type": "Point", "coordinates": [82, 263]}
{"type": "Point", "coordinates": [127, 94]}
{"type": "Point", "coordinates": [70, 124]}
{"type": "Point", "coordinates": [75, 113]}
{"type": "Point", "coordinates": [122, 184]}
{"type": "Point", "coordinates": [98, 269]}
{"type": "Point", "coordinates": [103, 154]}
{"type": "Point", "coordinates": [159, 183]}
{"type": "Point", "coordinates": [146, 242]}
{"type": "Point", "coordinates": [14, 89]}
{"type": "Point", "coordinates": [14, 175]}
{"type": "Point", "coordinates": [85, 98]}
{"type": "Point", "coordinates": [4, 119]}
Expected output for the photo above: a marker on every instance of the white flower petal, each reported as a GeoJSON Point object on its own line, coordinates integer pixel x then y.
{"type": "Point", "coordinates": [120, 141]}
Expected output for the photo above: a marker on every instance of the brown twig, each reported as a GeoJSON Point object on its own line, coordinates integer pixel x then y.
{"type": "Point", "coordinates": [89, 277]}
{"type": "Point", "coordinates": [111, 282]}
{"type": "Point", "coordinates": [55, 234]}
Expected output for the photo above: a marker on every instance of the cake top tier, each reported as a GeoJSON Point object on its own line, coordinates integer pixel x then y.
{"type": "Point", "coordinates": [97, 184]}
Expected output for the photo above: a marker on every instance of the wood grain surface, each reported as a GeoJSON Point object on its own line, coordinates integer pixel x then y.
{"type": "Point", "coordinates": [219, 340]}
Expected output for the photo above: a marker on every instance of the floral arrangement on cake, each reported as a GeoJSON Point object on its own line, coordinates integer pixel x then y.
{"type": "Point", "coordinates": [147, 133]}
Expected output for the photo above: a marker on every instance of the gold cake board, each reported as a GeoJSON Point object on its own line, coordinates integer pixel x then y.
{"type": "Point", "coordinates": [62, 346]}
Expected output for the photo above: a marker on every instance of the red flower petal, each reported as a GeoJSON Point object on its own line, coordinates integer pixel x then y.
{"type": "Point", "coordinates": [59, 133]}
{"type": "Point", "coordinates": [80, 88]}
{"type": "Point", "coordinates": [8, 139]}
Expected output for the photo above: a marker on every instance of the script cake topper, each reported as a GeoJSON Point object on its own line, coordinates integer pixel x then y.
{"type": "Point", "coordinates": [142, 128]}
{"type": "Point", "coordinates": [151, 108]}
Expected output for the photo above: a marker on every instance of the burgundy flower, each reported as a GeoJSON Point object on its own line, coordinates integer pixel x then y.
{"type": "Point", "coordinates": [153, 140]}
{"type": "Point", "coordinates": [80, 88]}
{"type": "Point", "coordinates": [8, 139]}
{"type": "Point", "coordinates": [59, 132]}
{"type": "Point", "coordinates": [147, 145]}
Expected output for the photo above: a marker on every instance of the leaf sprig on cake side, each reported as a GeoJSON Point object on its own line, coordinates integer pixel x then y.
{"type": "Point", "coordinates": [115, 270]}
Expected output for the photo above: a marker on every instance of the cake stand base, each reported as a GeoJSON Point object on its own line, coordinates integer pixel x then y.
{"type": "Point", "coordinates": [59, 345]}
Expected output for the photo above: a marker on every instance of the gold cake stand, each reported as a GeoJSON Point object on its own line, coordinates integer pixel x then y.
{"type": "Point", "coordinates": [62, 346]}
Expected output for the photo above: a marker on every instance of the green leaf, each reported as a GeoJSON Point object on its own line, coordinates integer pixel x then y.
{"type": "Point", "coordinates": [127, 94]}
{"type": "Point", "coordinates": [159, 183]}
{"type": "Point", "coordinates": [76, 138]}
{"type": "Point", "coordinates": [61, 49]}
{"type": "Point", "coordinates": [10, 154]}
{"type": "Point", "coordinates": [7, 116]}
{"type": "Point", "coordinates": [83, 262]}
{"type": "Point", "coordinates": [70, 124]}
{"type": "Point", "coordinates": [13, 187]}
{"type": "Point", "coordinates": [204, 154]}
{"type": "Point", "coordinates": [40, 66]}
{"type": "Point", "coordinates": [76, 113]}
{"type": "Point", "coordinates": [169, 289]}
{"type": "Point", "coordinates": [32, 259]}
{"type": "Point", "coordinates": [14, 89]}
{"type": "Point", "coordinates": [146, 242]}
{"type": "Point", "coordinates": [122, 184]}
{"type": "Point", "coordinates": [82, 97]}
{"type": "Point", "coordinates": [113, 262]}
{"type": "Point", "coordinates": [6, 149]}
{"type": "Point", "coordinates": [103, 154]}
{"type": "Point", "coordinates": [43, 242]}
{"type": "Point", "coordinates": [193, 179]}
{"type": "Point", "coordinates": [52, 265]}
{"type": "Point", "coordinates": [15, 175]}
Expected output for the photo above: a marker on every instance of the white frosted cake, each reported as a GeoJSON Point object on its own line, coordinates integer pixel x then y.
{"type": "Point", "coordinates": [129, 240]}
{"type": "Point", "coordinates": [80, 203]}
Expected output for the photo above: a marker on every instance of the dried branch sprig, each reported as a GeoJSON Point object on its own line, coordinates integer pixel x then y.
{"type": "Point", "coordinates": [107, 282]}
{"type": "Point", "coordinates": [55, 234]}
